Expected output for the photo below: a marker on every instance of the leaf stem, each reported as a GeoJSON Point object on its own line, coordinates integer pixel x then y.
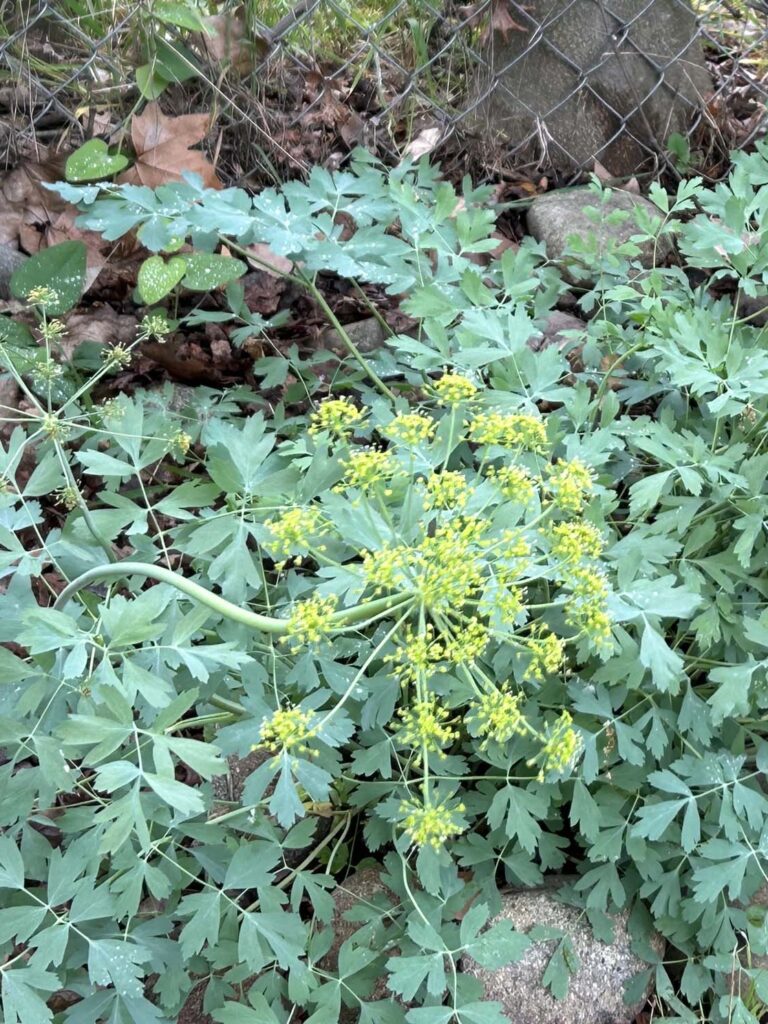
{"type": "Point", "coordinates": [263, 623]}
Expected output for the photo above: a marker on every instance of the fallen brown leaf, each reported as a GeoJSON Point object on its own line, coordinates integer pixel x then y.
{"type": "Point", "coordinates": [602, 173]}
{"type": "Point", "coordinates": [100, 324]}
{"type": "Point", "coordinates": [268, 261]}
{"type": "Point", "coordinates": [226, 41]}
{"type": "Point", "coordinates": [424, 142]}
{"type": "Point", "coordinates": [162, 146]}
{"type": "Point", "coordinates": [501, 21]}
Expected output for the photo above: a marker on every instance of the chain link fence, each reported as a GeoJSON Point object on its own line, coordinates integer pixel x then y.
{"type": "Point", "coordinates": [540, 87]}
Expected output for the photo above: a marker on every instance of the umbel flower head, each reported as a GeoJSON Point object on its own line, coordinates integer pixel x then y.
{"type": "Point", "coordinates": [468, 643]}
{"type": "Point", "coordinates": [431, 824]}
{"type": "Point", "coordinates": [311, 620]}
{"type": "Point", "coordinates": [497, 717]}
{"type": "Point", "coordinates": [561, 747]}
{"type": "Point", "coordinates": [587, 606]}
{"type": "Point", "coordinates": [448, 565]}
{"type": "Point", "coordinates": [289, 729]}
{"type": "Point", "coordinates": [547, 653]}
{"type": "Point", "coordinates": [417, 655]}
{"type": "Point", "coordinates": [514, 482]}
{"type": "Point", "coordinates": [509, 430]}
{"type": "Point", "coordinates": [570, 484]}
{"type": "Point", "coordinates": [410, 429]}
{"type": "Point", "coordinates": [296, 529]}
{"type": "Point", "coordinates": [575, 540]}
{"type": "Point", "coordinates": [447, 490]}
{"type": "Point", "coordinates": [425, 727]}
{"type": "Point", "coordinates": [445, 569]}
{"type": "Point", "coordinates": [337, 416]}
{"type": "Point", "coordinates": [453, 388]}
{"type": "Point", "coordinates": [367, 468]}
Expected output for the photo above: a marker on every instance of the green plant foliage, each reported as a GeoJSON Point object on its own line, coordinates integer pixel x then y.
{"type": "Point", "coordinates": [93, 162]}
{"type": "Point", "coordinates": [158, 277]}
{"type": "Point", "coordinates": [59, 270]}
{"type": "Point", "coordinates": [488, 615]}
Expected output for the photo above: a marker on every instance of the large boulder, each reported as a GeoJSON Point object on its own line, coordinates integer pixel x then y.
{"type": "Point", "coordinates": [555, 216]}
{"type": "Point", "coordinates": [595, 994]}
{"type": "Point", "coordinates": [580, 80]}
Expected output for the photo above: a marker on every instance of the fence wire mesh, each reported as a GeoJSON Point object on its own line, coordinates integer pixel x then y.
{"type": "Point", "coordinates": [533, 87]}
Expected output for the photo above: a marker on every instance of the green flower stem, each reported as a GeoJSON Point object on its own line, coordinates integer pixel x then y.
{"type": "Point", "coordinates": [82, 505]}
{"type": "Point", "coordinates": [264, 623]}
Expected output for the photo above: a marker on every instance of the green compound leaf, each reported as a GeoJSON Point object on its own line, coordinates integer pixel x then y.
{"type": "Point", "coordinates": [93, 162]}
{"type": "Point", "coordinates": [206, 271]}
{"type": "Point", "coordinates": [157, 278]}
{"type": "Point", "coordinates": [60, 268]}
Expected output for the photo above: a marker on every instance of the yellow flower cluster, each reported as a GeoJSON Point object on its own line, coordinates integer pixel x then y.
{"type": "Point", "coordinates": [425, 727]}
{"type": "Point", "coordinates": [116, 357]}
{"type": "Point", "coordinates": [419, 655]}
{"type": "Point", "coordinates": [69, 497]}
{"type": "Point", "coordinates": [288, 729]}
{"type": "Point", "coordinates": [468, 644]}
{"type": "Point", "coordinates": [311, 620]}
{"type": "Point", "coordinates": [514, 482]}
{"type": "Point", "coordinates": [368, 467]}
{"type": "Point", "coordinates": [447, 569]}
{"type": "Point", "coordinates": [448, 489]}
{"type": "Point", "coordinates": [338, 416]}
{"type": "Point", "coordinates": [561, 747]}
{"type": "Point", "coordinates": [181, 441]}
{"type": "Point", "coordinates": [570, 483]}
{"type": "Point", "coordinates": [587, 607]}
{"type": "Point", "coordinates": [42, 295]}
{"type": "Point", "coordinates": [497, 716]}
{"type": "Point", "coordinates": [509, 430]}
{"type": "Point", "coordinates": [410, 428]}
{"type": "Point", "coordinates": [431, 824]}
{"type": "Point", "coordinates": [453, 389]}
{"type": "Point", "coordinates": [547, 653]}
{"type": "Point", "coordinates": [503, 604]}
{"type": "Point", "coordinates": [154, 326]}
{"type": "Point", "coordinates": [295, 529]}
{"type": "Point", "coordinates": [513, 556]}
{"type": "Point", "coordinates": [51, 330]}
{"type": "Point", "coordinates": [575, 540]}
{"type": "Point", "coordinates": [388, 568]}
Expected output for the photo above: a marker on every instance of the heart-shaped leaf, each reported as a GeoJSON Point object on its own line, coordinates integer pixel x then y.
{"type": "Point", "coordinates": [157, 278]}
{"type": "Point", "coordinates": [93, 162]}
{"type": "Point", "coordinates": [60, 269]}
{"type": "Point", "coordinates": [209, 270]}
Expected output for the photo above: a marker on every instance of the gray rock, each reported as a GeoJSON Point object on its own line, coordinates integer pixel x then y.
{"type": "Point", "coordinates": [10, 260]}
{"type": "Point", "coordinates": [554, 217]}
{"type": "Point", "coordinates": [595, 994]}
{"type": "Point", "coordinates": [553, 331]}
{"type": "Point", "coordinates": [579, 80]}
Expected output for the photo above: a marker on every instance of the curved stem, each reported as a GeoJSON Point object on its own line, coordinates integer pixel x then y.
{"type": "Point", "coordinates": [264, 623]}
